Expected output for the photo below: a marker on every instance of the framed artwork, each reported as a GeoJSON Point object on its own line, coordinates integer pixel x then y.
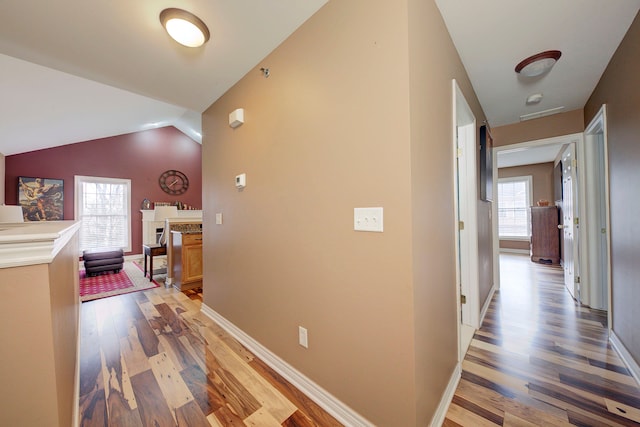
{"type": "Point", "coordinates": [42, 199]}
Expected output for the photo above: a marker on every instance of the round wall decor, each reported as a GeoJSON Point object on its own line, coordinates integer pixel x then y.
{"type": "Point", "coordinates": [173, 182]}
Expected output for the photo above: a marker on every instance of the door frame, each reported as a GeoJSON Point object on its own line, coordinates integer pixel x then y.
{"type": "Point", "coordinates": [596, 197]}
{"type": "Point", "coordinates": [466, 210]}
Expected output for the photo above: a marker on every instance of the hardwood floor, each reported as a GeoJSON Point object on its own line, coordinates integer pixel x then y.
{"type": "Point", "coordinates": [540, 359]}
{"type": "Point", "coordinates": [152, 359]}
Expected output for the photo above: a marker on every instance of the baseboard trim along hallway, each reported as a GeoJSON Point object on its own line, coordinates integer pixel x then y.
{"type": "Point", "coordinates": [625, 356]}
{"type": "Point", "coordinates": [323, 398]}
{"type": "Point", "coordinates": [443, 407]}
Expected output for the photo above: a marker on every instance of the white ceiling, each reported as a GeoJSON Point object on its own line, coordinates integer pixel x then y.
{"type": "Point", "coordinates": [528, 155]}
{"type": "Point", "coordinates": [108, 67]}
{"type": "Point", "coordinates": [492, 37]}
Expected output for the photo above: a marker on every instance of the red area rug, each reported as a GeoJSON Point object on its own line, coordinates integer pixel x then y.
{"type": "Point", "coordinates": [103, 283]}
{"type": "Point", "coordinates": [129, 279]}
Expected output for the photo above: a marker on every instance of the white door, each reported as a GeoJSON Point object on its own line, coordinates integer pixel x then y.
{"type": "Point", "coordinates": [466, 239]}
{"type": "Point", "coordinates": [569, 208]}
{"type": "Point", "coordinates": [464, 145]}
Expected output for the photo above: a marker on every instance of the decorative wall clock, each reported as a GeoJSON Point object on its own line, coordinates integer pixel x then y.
{"type": "Point", "coordinates": [174, 182]}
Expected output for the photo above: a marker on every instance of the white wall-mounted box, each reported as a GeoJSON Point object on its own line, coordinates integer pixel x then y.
{"type": "Point", "coordinates": [236, 118]}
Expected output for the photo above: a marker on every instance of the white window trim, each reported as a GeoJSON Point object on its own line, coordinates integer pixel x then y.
{"type": "Point", "coordinates": [529, 180]}
{"type": "Point", "coordinates": [79, 179]}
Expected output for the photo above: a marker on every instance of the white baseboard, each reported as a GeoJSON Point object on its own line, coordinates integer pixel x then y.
{"type": "Point", "coordinates": [447, 397]}
{"type": "Point", "coordinates": [487, 303]}
{"type": "Point", "coordinates": [626, 357]}
{"type": "Point", "coordinates": [515, 251]}
{"type": "Point", "coordinates": [323, 398]}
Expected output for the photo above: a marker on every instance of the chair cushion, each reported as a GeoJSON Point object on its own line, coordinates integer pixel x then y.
{"type": "Point", "coordinates": [93, 254]}
{"type": "Point", "coordinates": [107, 261]}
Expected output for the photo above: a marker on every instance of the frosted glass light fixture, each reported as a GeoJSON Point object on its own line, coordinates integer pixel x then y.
{"type": "Point", "coordinates": [538, 64]}
{"type": "Point", "coordinates": [184, 27]}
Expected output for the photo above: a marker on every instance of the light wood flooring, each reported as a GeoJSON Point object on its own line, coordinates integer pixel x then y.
{"type": "Point", "coordinates": [152, 359]}
{"type": "Point", "coordinates": [540, 359]}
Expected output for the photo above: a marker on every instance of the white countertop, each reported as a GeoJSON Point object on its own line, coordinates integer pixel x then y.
{"type": "Point", "coordinates": [32, 243]}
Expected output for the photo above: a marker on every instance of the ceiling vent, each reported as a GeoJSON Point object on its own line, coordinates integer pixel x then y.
{"type": "Point", "coordinates": [539, 114]}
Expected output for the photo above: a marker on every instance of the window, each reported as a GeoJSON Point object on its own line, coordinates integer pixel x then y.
{"type": "Point", "coordinates": [104, 207]}
{"type": "Point", "coordinates": [514, 199]}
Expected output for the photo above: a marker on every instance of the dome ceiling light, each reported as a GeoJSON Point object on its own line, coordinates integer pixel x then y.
{"type": "Point", "coordinates": [538, 64]}
{"type": "Point", "coordinates": [184, 27]}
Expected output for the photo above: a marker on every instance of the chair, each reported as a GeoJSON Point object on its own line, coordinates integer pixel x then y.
{"type": "Point", "coordinates": [162, 213]}
{"type": "Point", "coordinates": [11, 213]}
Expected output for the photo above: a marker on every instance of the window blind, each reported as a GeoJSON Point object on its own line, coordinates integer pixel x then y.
{"type": "Point", "coordinates": [513, 207]}
{"type": "Point", "coordinates": [103, 207]}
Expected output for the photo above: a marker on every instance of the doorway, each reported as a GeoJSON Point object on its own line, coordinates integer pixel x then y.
{"type": "Point", "coordinates": [586, 194]}
{"type": "Point", "coordinates": [530, 153]}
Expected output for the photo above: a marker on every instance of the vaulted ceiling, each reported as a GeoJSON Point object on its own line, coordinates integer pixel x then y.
{"type": "Point", "coordinates": [74, 70]}
{"type": "Point", "coordinates": [77, 70]}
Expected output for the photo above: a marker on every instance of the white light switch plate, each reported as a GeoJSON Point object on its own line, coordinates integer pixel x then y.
{"type": "Point", "coordinates": [303, 337]}
{"type": "Point", "coordinates": [218, 218]}
{"type": "Point", "coordinates": [368, 219]}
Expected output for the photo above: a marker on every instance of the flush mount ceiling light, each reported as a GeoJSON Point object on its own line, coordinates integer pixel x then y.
{"type": "Point", "coordinates": [538, 64]}
{"type": "Point", "coordinates": [184, 27]}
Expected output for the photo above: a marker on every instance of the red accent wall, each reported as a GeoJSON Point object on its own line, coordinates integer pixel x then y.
{"type": "Point", "coordinates": [140, 157]}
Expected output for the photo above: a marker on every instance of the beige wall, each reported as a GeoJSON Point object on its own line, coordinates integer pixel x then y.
{"type": "Point", "coordinates": [355, 113]}
{"type": "Point", "coordinates": [545, 127]}
{"type": "Point", "coordinates": [64, 294]}
{"type": "Point", "coordinates": [542, 181]}
{"type": "Point", "coordinates": [433, 62]}
{"type": "Point", "coordinates": [619, 88]}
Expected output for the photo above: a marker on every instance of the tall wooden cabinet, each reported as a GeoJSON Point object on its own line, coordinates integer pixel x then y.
{"type": "Point", "coordinates": [545, 235]}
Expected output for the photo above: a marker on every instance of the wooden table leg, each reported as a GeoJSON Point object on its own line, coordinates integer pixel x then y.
{"type": "Point", "coordinates": [145, 264]}
{"type": "Point", "coordinates": [151, 266]}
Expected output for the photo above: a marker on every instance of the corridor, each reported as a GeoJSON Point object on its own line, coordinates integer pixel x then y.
{"type": "Point", "coordinates": [540, 359]}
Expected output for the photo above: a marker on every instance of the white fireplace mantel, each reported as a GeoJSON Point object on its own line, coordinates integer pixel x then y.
{"type": "Point", "coordinates": [149, 225]}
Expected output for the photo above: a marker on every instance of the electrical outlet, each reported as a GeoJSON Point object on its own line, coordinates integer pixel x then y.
{"type": "Point", "coordinates": [303, 338]}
